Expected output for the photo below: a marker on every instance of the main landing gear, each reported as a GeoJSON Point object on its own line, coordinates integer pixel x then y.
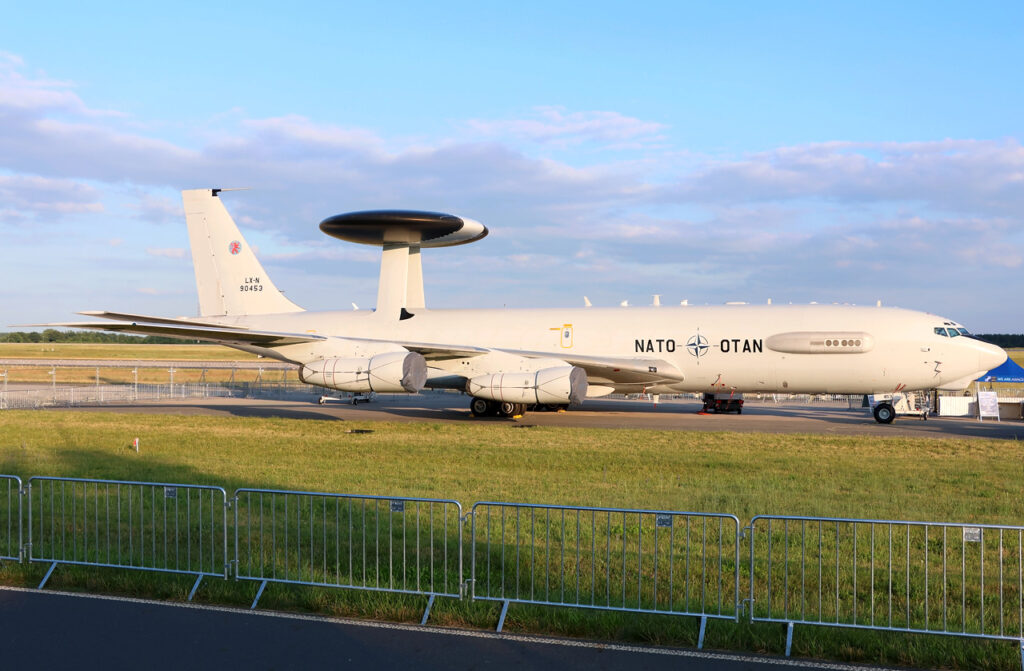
{"type": "Point", "coordinates": [482, 407]}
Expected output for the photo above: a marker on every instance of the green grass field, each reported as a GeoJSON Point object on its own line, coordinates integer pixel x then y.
{"type": "Point", "coordinates": [743, 474]}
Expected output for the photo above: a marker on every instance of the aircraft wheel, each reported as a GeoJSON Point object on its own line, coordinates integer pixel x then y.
{"type": "Point", "coordinates": [507, 409]}
{"type": "Point", "coordinates": [884, 413]}
{"type": "Point", "coordinates": [481, 407]}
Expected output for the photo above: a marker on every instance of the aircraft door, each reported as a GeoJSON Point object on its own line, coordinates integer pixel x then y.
{"type": "Point", "coordinates": [565, 336]}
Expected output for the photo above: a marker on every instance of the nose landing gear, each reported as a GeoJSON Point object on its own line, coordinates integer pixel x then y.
{"type": "Point", "coordinates": [884, 413]}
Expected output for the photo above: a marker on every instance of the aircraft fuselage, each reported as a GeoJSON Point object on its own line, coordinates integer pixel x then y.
{"type": "Point", "coordinates": [747, 348]}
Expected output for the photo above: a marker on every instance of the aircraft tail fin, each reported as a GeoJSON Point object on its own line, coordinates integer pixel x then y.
{"type": "Point", "coordinates": [229, 277]}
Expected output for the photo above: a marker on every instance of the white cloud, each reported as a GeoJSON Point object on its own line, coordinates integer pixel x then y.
{"type": "Point", "coordinates": [556, 126]}
{"type": "Point", "coordinates": [157, 209]}
{"type": "Point", "coordinates": [825, 221]}
{"type": "Point", "coordinates": [32, 93]}
{"type": "Point", "coordinates": [168, 252]}
{"type": "Point", "coordinates": [962, 175]}
{"type": "Point", "coordinates": [28, 198]}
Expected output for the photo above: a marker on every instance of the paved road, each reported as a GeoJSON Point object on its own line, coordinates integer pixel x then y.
{"type": "Point", "coordinates": [597, 413]}
{"type": "Point", "coordinates": [52, 630]}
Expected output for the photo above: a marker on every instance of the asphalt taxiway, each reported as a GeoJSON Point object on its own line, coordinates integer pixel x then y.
{"type": "Point", "coordinates": [673, 415]}
{"type": "Point", "coordinates": [57, 630]}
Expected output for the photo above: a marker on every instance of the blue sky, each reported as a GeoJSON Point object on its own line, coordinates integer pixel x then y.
{"type": "Point", "coordinates": [795, 151]}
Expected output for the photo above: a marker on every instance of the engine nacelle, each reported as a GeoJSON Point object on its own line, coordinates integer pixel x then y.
{"type": "Point", "coordinates": [396, 372]}
{"type": "Point", "coordinates": [559, 385]}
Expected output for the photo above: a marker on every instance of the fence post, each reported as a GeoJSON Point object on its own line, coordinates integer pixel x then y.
{"type": "Point", "coordinates": [27, 547]}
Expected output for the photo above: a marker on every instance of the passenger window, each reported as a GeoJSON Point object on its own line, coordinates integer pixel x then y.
{"type": "Point", "coordinates": [941, 331]}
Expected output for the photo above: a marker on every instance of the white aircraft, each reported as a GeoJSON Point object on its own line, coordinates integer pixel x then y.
{"type": "Point", "coordinates": [508, 360]}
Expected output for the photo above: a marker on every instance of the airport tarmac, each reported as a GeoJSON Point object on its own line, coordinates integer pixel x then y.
{"type": "Point", "coordinates": [673, 415]}
{"type": "Point", "coordinates": [101, 632]}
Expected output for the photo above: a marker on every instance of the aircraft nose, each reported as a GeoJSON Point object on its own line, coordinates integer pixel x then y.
{"type": "Point", "coordinates": [990, 356]}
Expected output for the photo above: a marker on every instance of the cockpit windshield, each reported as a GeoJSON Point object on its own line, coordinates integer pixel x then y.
{"type": "Point", "coordinates": [950, 331]}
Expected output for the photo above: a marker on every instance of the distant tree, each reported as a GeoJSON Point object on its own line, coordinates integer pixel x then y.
{"type": "Point", "coordinates": [53, 335]}
{"type": "Point", "coordinates": [1004, 339]}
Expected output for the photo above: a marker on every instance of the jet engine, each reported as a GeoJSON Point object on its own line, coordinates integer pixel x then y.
{"type": "Point", "coordinates": [558, 385]}
{"type": "Point", "coordinates": [396, 372]}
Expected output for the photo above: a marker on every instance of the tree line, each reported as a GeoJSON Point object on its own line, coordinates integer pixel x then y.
{"type": "Point", "coordinates": [1003, 339]}
{"type": "Point", "coordinates": [53, 335]}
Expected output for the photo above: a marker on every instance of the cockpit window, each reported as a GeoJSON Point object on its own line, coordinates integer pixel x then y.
{"type": "Point", "coordinates": [953, 333]}
{"type": "Point", "coordinates": [964, 331]}
{"type": "Point", "coordinates": [941, 331]}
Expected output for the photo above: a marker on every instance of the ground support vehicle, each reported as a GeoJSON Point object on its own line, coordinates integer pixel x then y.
{"type": "Point", "coordinates": [731, 402]}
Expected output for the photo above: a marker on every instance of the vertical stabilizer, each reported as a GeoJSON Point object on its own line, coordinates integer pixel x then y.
{"type": "Point", "coordinates": [229, 277]}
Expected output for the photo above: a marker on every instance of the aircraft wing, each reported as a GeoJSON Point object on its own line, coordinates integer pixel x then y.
{"type": "Point", "coordinates": [191, 329]}
{"type": "Point", "coordinates": [147, 319]}
{"type": "Point", "coordinates": [600, 370]}
{"type": "Point", "coordinates": [223, 335]}
{"type": "Point", "coordinates": [616, 371]}
{"type": "Point", "coordinates": [434, 351]}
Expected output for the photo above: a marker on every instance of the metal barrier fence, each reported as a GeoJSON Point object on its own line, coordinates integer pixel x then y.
{"type": "Point", "coordinates": [920, 577]}
{"type": "Point", "coordinates": [44, 396]}
{"type": "Point", "coordinates": [10, 517]}
{"type": "Point", "coordinates": [649, 561]}
{"type": "Point", "coordinates": [152, 526]}
{"type": "Point", "coordinates": [406, 545]}
{"type": "Point", "coordinates": [917, 577]}
{"type": "Point", "coordinates": [66, 396]}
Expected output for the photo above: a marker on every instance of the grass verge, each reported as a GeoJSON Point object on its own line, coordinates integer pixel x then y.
{"type": "Point", "coordinates": [743, 474]}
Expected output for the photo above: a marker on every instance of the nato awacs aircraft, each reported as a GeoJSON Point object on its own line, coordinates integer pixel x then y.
{"type": "Point", "coordinates": [510, 360]}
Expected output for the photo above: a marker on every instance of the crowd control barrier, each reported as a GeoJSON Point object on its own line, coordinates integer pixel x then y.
{"type": "Point", "coordinates": [922, 577]}
{"type": "Point", "coordinates": [406, 545]}
{"type": "Point", "coordinates": [164, 527]}
{"type": "Point", "coordinates": [649, 561]}
{"type": "Point", "coordinates": [10, 517]}
{"type": "Point", "coordinates": [917, 577]}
